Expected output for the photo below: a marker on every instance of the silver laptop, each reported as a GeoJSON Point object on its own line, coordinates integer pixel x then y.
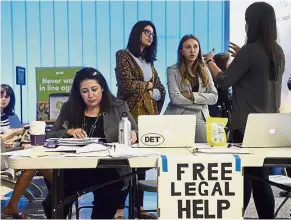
{"type": "Point", "coordinates": [166, 130]}
{"type": "Point", "coordinates": [268, 130]}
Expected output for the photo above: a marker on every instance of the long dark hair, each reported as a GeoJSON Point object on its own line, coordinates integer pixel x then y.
{"type": "Point", "coordinates": [75, 107]}
{"type": "Point", "coordinates": [221, 60]}
{"type": "Point", "coordinates": [198, 66]}
{"type": "Point", "coordinates": [9, 109]}
{"type": "Point", "coordinates": [134, 42]}
{"type": "Point", "coordinates": [261, 26]}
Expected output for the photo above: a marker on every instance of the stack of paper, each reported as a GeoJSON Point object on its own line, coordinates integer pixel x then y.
{"type": "Point", "coordinates": [78, 150]}
{"type": "Point", "coordinates": [121, 150]}
{"type": "Point", "coordinates": [98, 150]}
{"type": "Point", "coordinates": [32, 152]}
{"type": "Point", "coordinates": [77, 141]}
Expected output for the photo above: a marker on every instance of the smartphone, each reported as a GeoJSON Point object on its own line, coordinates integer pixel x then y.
{"type": "Point", "coordinates": [56, 101]}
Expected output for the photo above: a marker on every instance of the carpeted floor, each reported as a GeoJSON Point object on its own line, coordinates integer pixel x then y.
{"type": "Point", "coordinates": [34, 209]}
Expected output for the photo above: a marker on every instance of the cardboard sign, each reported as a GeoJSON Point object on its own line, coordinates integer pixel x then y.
{"type": "Point", "coordinates": [197, 187]}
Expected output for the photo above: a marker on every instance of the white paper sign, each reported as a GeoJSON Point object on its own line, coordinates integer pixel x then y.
{"type": "Point", "coordinates": [196, 187]}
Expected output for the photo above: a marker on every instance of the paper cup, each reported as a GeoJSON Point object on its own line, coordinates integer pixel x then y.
{"type": "Point", "coordinates": [37, 132]}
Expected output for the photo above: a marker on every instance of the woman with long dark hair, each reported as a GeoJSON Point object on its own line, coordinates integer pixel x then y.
{"type": "Point", "coordinates": [92, 111]}
{"type": "Point", "coordinates": [255, 75]}
{"type": "Point", "coordinates": [191, 88]}
{"type": "Point", "coordinates": [8, 117]}
{"type": "Point", "coordinates": [137, 79]}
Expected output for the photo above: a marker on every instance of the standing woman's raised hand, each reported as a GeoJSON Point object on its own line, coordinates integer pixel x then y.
{"type": "Point", "coordinates": [233, 49]}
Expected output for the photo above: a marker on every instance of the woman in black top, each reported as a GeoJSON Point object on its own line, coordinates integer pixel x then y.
{"type": "Point", "coordinates": [92, 111]}
{"type": "Point", "coordinates": [255, 75]}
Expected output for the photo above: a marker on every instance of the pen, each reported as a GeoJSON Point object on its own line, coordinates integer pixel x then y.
{"type": "Point", "coordinates": [195, 150]}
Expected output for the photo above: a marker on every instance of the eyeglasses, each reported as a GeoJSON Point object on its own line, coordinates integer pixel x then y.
{"type": "Point", "coordinates": [148, 33]}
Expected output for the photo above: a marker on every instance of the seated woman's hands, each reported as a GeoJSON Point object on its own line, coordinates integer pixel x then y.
{"type": "Point", "coordinates": [8, 144]}
{"type": "Point", "coordinates": [133, 137]}
{"type": "Point", "coordinates": [18, 131]}
{"type": "Point", "coordinates": [14, 132]}
{"type": "Point", "coordinates": [77, 133]}
{"type": "Point", "coordinates": [11, 136]}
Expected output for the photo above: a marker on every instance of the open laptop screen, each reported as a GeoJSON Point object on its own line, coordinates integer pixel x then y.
{"type": "Point", "coordinates": [166, 130]}
{"type": "Point", "coordinates": [268, 130]}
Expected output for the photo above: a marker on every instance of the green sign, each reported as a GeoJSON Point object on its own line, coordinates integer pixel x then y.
{"type": "Point", "coordinates": [53, 85]}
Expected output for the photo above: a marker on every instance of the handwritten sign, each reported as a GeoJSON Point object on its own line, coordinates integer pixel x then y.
{"type": "Point", "coordinates": [197, 187]}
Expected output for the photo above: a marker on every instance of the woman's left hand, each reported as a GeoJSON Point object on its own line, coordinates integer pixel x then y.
{"type": "Point", "coordinates": [8, 144]}
{"type": "Point", "coordinates": [187, 95]}
{"type": "Point", "coordinates": [209, 56]}
{"type": "Point", "coordinates": [151, 93]}
{"type": "Point", "coordinates": [133, 137]}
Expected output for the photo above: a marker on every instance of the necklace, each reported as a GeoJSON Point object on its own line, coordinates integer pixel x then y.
{"type": "Point", "coordinates": [141, 61]}
{"type": "Point", "coordinates": [93, 126]}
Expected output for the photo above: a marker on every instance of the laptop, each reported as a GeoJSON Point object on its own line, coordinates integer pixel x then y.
{"type": "Point", "coordinates": [166, 130]}
{"type": "Point", "coordinates": [268, 130]}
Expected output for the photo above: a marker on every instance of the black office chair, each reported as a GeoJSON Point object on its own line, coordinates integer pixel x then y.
{"type": "Point", "coordinates": [282, 179]}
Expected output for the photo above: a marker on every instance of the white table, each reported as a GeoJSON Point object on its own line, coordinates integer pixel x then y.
{"type": "Point", "coordinates": [268, 157]}
{"type": "Point", "coordinates": [58, 162]}
{"type": "Point", "coordinates": [258, 157]}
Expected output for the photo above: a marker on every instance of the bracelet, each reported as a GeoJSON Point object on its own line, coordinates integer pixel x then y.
{"type": "Point", "coordinates": [193, 98]}
{"type": "Point", "coordinates": [209, 61]}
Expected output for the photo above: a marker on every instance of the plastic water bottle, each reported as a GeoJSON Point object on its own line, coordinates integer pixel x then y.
{"type": "Point", "coordinates": [124, 136]}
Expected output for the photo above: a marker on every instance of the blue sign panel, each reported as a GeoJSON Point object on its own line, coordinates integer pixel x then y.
{"type": "Point", "coordinates": [20, 75]}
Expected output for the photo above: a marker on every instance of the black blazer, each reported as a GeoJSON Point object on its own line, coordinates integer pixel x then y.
{"type": "Point", "coordinates": [110, 125]}
{"type": "Point", "coordinates": [111, 121]}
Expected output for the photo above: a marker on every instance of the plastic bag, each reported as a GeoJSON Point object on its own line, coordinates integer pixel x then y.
{"type": "Point", "coordinates": [215, 131]}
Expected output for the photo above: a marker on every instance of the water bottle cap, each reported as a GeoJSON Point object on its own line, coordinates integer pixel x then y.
{"type": "Point", "coordinates": [124, 114]}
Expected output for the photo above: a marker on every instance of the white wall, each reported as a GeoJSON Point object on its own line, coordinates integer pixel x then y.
{"type": "Point", "coordinates": [283, 13]}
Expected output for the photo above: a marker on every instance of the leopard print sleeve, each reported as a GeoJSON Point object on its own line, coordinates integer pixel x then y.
{"type": "Point", "coordinates": [158, 85]}
{"type": "Point", "coordinates": [126, 82]}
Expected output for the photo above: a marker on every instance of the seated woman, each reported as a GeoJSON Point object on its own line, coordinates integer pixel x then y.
{"type": "Point", "coordinates": [191, 88]}
{"type": "Point", "coordinates": [8, 118]}
{"type": "Point", "coordinates": [92, 111]}
{"type": "Point", "coordinates": [10, 121]}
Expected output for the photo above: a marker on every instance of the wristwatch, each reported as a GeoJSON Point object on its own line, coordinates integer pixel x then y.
{"type": "Point", "coordinates": [207, 61]}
